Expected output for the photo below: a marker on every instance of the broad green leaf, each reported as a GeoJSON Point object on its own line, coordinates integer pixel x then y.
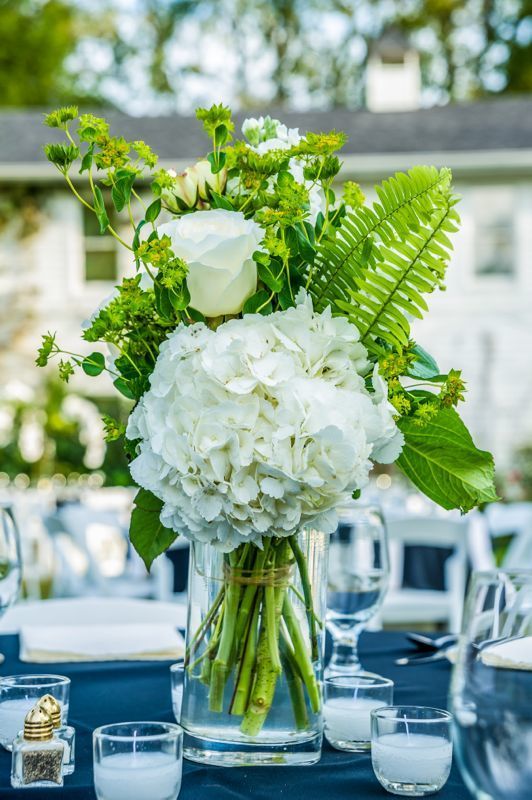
{"type": "Point", "coordinates": [424, 366]}
{"type": "Point", "coordinates": [153, 211]}
{"type": "Point", "coordinates": [148, 535]}
{"type": "Point", "coordinates": [121, 191]}
{"type": "Point", "coordinates": [441, 459]}
{"type": "Point", "coordinates": [219, 201]}
{"type": "Point", "coordinates": [94, 364]}
{"type": "Point", "coordinates": [123, 387]}
{"type": "Point", "coordinates": [217, 162]}
{"type": "Point", "coordinates": [272, 275]}
{"type": "Point", "coordinates": [258, 302]}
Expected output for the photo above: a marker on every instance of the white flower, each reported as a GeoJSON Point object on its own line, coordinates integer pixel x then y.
{"type": "Point", "coordinates": [260, 427]}
{"type": "Point", "coordinates": [192, 185]}
{"type": "Point", "coordinates": [265, 135]}
{"type": "Point", "coordinates": [218, 246]}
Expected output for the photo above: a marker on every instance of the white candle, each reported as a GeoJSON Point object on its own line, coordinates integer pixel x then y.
{"type": "Point", "coordinates": [347, 719]}
{"type": "Point", "coordinates": [12, 714]}
{"type": "Point", "coordinates": [412, 758]}
{"type": "Point", "coordinates": [138, 776]}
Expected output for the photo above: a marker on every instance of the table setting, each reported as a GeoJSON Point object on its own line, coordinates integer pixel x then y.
{"type": "Point", "coordinates": [264, 339]}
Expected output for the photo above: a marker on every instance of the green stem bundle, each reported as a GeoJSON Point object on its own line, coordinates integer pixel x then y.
{"type": "Point", "coordinates": [252, 635]}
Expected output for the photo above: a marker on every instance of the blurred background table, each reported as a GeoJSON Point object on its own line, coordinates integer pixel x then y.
{"type": "Point", "coordinates": [117, 692]}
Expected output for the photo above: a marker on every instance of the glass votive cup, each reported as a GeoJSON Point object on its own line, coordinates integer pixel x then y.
{"type": "Point", "coordinates": [138, 760]}
{"type": "Point", "coordinates": [177, 677]}
{"type": "Point", "coordinates": [348, 703]}
{"type": "Point", "coordinates": [411, 749]}
{"type": "Point", "coordinates": [20, 693]}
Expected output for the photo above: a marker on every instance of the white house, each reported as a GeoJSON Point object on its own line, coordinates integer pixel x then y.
{"type": "Point", "coordinates": [54, 278]}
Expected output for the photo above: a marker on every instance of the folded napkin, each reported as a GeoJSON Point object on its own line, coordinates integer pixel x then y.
{"type": "Point", "coordinates": [512, 654]}
{"type": "Point", "coordinates": [129, 642]}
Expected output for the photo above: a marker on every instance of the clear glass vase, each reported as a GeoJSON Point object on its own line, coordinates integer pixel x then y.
{"type": "Point", "coordinates": [254, 660]}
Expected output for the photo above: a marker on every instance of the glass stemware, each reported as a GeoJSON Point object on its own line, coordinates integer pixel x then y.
{"type": "Point", "coordinates": [357, 581]}
{"type": "Point", "coordinates": [10, 561]}
{"type": "Point", "coordinates": [491, 688]}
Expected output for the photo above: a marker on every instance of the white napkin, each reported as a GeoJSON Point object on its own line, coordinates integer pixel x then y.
{"type": "Point", "coordinates": [513, 654]}
{"type": "Point", "coordinates": [130, 642]}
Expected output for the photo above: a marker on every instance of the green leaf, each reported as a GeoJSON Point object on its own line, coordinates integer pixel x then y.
{"type": "Point", "coordinates": [441, 459]}
{"type": "Point", "coordinates": [121, 191]}
{"type": "Point", "coordinates": [220, 135]}
{"type": "Point", "coordinates": [272, 275]}
{"type": "Point", "coordinates": [258, 302]}
{"type": "Point", "coordinates": [148, 535]}
{"type": "Point", "coordinates": [123, 387]}
{"type": "Point", "coordinates": [86, 161]}
{"type": "Point", "coordinates": [195, 315]}
{"type": "Point", "coordinates": [424, 365]}
{"type": "Point", "coordinates": [219, 201]}
{"type": "Point", "coordinates": [217, 162]}
{"type": "Point", "coordinates": [179, 298]}
{"type": "Point", "coordinates": [153, 210]}
{"type": "Point", "coordinates": [94, 364]}
{"type": "Point", "coordinates": [381, 259]}
{"type": "Point", "coordinates": [99, 206]}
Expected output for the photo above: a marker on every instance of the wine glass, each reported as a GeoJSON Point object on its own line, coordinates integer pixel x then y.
{"type": "Point", "coordinates": [491, 687]}
{"type": "Point", "coordinates": [10, 561]}
{"type": "Point", "coordinates": [357, 581]}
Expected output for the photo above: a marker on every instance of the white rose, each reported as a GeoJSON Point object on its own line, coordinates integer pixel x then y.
{"type": "Point", "coordinates": [207, 180]}
{"type": "Point", "coordinates": [218, 246]}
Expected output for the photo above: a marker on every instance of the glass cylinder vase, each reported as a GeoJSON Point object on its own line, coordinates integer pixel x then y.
{"type": "Point", "coordinates": [254, 657]}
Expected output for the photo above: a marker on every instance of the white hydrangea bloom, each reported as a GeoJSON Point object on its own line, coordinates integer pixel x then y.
{"type": "Point", "coordinates": [260, 427]}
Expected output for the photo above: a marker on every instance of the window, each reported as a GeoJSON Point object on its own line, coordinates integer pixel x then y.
{"type": "Point", "coordinates": [100, 251]}
{"type": "Point", "coordinates": [494, 240]}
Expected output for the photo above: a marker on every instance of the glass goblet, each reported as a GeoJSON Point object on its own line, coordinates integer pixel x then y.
{"type": "Point", "coordinates": [10, 561]}
{"type": "Point", "coordinates": [357, 581]}
{"type": "Point", "coordinates": [491, 687]}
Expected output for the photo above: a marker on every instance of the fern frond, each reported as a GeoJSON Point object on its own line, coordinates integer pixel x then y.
{"type": "Point", "coordinates": [385, 257]}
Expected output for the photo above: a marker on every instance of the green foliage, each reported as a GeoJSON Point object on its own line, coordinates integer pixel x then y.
{"type": "Point", "coordinates": [94, 364]}
{"type": "Point", "coordinates": [59, 118]}
{"type": "Point", "coordinates": [383, 258]}
{"type": "Point", "coordinates": [64, 440]}
{"type": "Point", "coordinates": [114, 429]}
{"type": "Point", "coordinates": [61, 155]}
{"type": "Point", "coordinates": [36, 39]}
{"type": "Point", "coordinates": [371, 264]}
{"type": "Point", "coordinates": [441, 459]}
{"type": "Point", "coordinates": [148, 535]}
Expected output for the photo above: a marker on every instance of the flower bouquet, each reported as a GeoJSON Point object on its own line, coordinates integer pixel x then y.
{"type": "Point", "coordinates": [264, 337]}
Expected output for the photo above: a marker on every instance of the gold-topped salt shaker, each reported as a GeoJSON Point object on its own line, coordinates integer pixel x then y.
{"type": "Point", "coordinates": [37, 757]}
{"type": "Point", "coordinates": [66, 733]}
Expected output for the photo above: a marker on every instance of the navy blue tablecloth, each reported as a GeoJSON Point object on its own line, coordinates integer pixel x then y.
{"type": "Point", "coordinates": [117, 692]}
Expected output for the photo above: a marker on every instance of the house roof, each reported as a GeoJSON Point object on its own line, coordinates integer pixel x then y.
{"type": "Point", "coordinates": [501, 124]}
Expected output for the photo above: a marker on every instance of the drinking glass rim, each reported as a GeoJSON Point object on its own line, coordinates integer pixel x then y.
{"type": "Point", "coordinates": [179, 665]}
{"type": "Point", "coordinates": [440, 714]}
{"type": "Point", "coordinates": [499, 572]}
{"type": "Point", "coordinates": [21, 681]}
{"type": "Point", "coordinates": [171, 731]}
{"type": "Point", "coordinates": [379, 683]}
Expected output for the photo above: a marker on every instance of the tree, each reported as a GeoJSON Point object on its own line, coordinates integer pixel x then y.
{"type": "Point", "coordinates": [38, 41]}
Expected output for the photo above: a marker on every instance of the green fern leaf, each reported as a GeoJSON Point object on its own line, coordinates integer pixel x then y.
{"type": "Point", "coordinates": [383, 258]}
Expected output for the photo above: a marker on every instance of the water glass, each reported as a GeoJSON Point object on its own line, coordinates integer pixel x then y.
{"type": "Point", "coordinates": [10, 560]}
{"type": "Point", "coordinates": [20, 693]}
{"type": "Point", "coordinates": [357, 582]}
{"type": "Point", "coordinates": [411, 749]}
{"type": "Point", "coordinates": [138, 760]}
{"type": "Point", "coordinates": [349, 701]}
{"type": "Point", "coordinates": [491, 687]}
{"type": "Point", "coordinates": [177, 677]}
